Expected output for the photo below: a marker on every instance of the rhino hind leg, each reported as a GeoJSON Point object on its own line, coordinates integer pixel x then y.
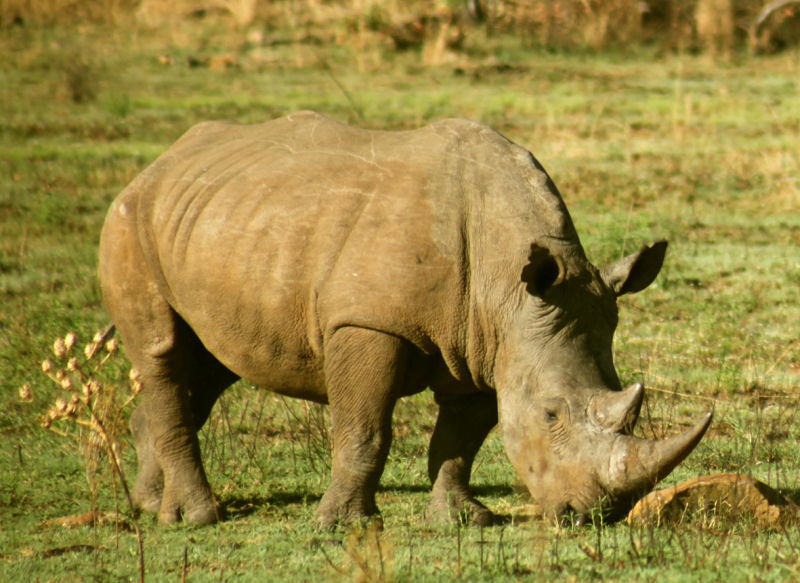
{"type": "Point", "coordinates": [209, 380]}
{"type": "Point", "coordinates": [162, 347]}
{"type": "Point", "coordinates": [365, 371]}
{"type": "Point", "coordinates": [149, 479]}
{"type": "Point", "coordinates": [179, 389]}
{"type": "Point", "coordinates": [462, 426]}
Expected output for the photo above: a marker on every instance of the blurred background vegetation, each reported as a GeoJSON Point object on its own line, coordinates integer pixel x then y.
{"type": "Point", "coordinates": [717, 27]}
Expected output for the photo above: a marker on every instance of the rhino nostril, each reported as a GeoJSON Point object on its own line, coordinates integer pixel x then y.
{"type": "Point", "coordinates": [570, 517]}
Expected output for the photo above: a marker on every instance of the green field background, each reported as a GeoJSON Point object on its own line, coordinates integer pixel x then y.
{"type": "Point", "coordinates": [656, 132]}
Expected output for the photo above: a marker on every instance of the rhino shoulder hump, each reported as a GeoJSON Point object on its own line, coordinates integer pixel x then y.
{"type": "Point", "coordinates": [473, 134]}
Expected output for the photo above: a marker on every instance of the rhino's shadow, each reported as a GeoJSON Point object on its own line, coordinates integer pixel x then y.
{"type": "Point", "coordinates": [242, 506]}
{"type": "Point", "coordinates": [478, 491]}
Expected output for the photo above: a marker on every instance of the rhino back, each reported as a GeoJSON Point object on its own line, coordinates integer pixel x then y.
{"type": "Point", "coordinates": [268, 238]}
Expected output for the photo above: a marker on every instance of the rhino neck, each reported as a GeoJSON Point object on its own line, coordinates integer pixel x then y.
{"type": "Point", "coordinates": [505, 200]}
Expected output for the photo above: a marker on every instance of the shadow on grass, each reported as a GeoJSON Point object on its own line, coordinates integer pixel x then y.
{"type": "Point", "coordinates": [242, 506]}
{"type": "Point", "coordinates": [486, 490]}
{"type": "Point", "coordinates": [233, 507]}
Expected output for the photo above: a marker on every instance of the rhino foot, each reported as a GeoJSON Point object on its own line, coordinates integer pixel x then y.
{"type": "Point", "coordinates": [146, 494]}
{"type": "Point", "coordinates": [333, 512]}
{"type": "Point", "coordinates": [172, 504]}
{"type": "Point", "coordinates": [464, 509]}
{"type": "Point", "coordinates": [185, 495]}
{"type": "Point", "coordinates": [193, 508]}
{"type": "Point", "coordinates": [201, 516]}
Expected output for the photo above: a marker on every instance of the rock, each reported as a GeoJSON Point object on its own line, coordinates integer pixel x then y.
{"type": "Point", "coordinates": [715, 501]}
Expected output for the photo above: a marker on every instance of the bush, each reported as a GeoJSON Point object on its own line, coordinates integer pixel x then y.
{"type": "Point", "coordinates": [716, 26]}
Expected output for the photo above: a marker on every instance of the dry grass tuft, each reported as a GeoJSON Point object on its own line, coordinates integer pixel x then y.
{"type": "Point", "coordinates": [92, 407]}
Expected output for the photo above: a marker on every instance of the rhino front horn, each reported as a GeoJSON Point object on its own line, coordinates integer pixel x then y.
{"type": "Point", "coordinates": [637, 464]}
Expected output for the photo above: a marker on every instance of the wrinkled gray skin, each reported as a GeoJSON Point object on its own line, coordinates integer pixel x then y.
{"type": "Point", "coordinates": [355, 267]}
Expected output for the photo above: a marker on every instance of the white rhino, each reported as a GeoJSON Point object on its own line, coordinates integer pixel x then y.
{"type": "Point", "coordinates": [354, 267]}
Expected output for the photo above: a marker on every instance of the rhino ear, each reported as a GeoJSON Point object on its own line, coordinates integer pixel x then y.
{"type": "Point", "coordinates": [635, 272]}
{"type": "Point", "coordinates": [543, 271]}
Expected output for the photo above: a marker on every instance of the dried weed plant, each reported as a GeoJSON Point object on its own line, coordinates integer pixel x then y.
{"type": "Point", "coordinates": [369, 555]}
{"type": "Point", "coordinates": [96, 409]}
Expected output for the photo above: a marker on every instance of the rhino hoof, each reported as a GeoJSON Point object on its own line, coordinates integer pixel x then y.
{"type": "Point", "coordinates": [482, 517]}
{"type": "Point", "coordinates": [198, 513]}
{"type": "Point", "coordinates": [332, 522]}
{"type": "Point", "coordinates": [202, 516]}
{"type": "Point", "coordinates": [149, 504]}
{"type": "Point", "coordinates": [169, 516]}
{"type": "Point", "coordinates": [199, 517]}
{"type": "Point", "coordinates": [472, 513]}
{"type": "Point", "coordinates": [326, 521]}
{"type": "Point", "coordinates": [146, 497]}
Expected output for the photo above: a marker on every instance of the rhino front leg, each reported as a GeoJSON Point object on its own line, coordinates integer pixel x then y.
{"type": "Point", "coordinates": [364, 372]}
{"type": "Point", "coordinates": [462, 426]}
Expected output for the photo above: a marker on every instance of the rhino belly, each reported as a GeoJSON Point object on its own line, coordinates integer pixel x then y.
{"type": "Point", "coordinates": [268, 351]}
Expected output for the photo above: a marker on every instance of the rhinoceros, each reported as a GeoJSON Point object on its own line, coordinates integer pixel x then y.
{"type": "Point", "coordinates": [354, 267]}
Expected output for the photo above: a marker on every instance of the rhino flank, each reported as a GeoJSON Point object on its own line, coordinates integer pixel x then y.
{"type": "Point", "coordinates": [354, 267]}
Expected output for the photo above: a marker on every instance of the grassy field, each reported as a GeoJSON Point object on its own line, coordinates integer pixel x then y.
{"type": "Point", "coordinates": [642, 147]}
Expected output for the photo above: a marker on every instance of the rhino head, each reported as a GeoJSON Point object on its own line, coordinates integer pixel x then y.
{"type": "Point", "coordinates": [565, 420]}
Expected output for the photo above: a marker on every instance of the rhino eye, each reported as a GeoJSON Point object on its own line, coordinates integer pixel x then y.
{"type": "Point", "coordinates": [550, 416]}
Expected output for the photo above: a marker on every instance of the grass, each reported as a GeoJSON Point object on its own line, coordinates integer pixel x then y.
{"type": "Point", "coordinates": [642, 147]}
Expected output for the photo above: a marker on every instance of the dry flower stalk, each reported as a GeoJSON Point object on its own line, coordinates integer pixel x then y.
{"type": "Point", "coordinates": [88, 404]}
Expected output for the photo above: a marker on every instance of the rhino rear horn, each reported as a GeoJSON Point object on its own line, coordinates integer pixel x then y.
{"type": "Point", "coordinates": [543, 271]}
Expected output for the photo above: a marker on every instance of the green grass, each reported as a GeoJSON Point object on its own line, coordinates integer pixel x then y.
{"type": "Point", "coordinates": [642, 147]}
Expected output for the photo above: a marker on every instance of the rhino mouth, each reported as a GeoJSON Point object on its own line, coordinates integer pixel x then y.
{"type": "Point", "coordinates": [608, 511]}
